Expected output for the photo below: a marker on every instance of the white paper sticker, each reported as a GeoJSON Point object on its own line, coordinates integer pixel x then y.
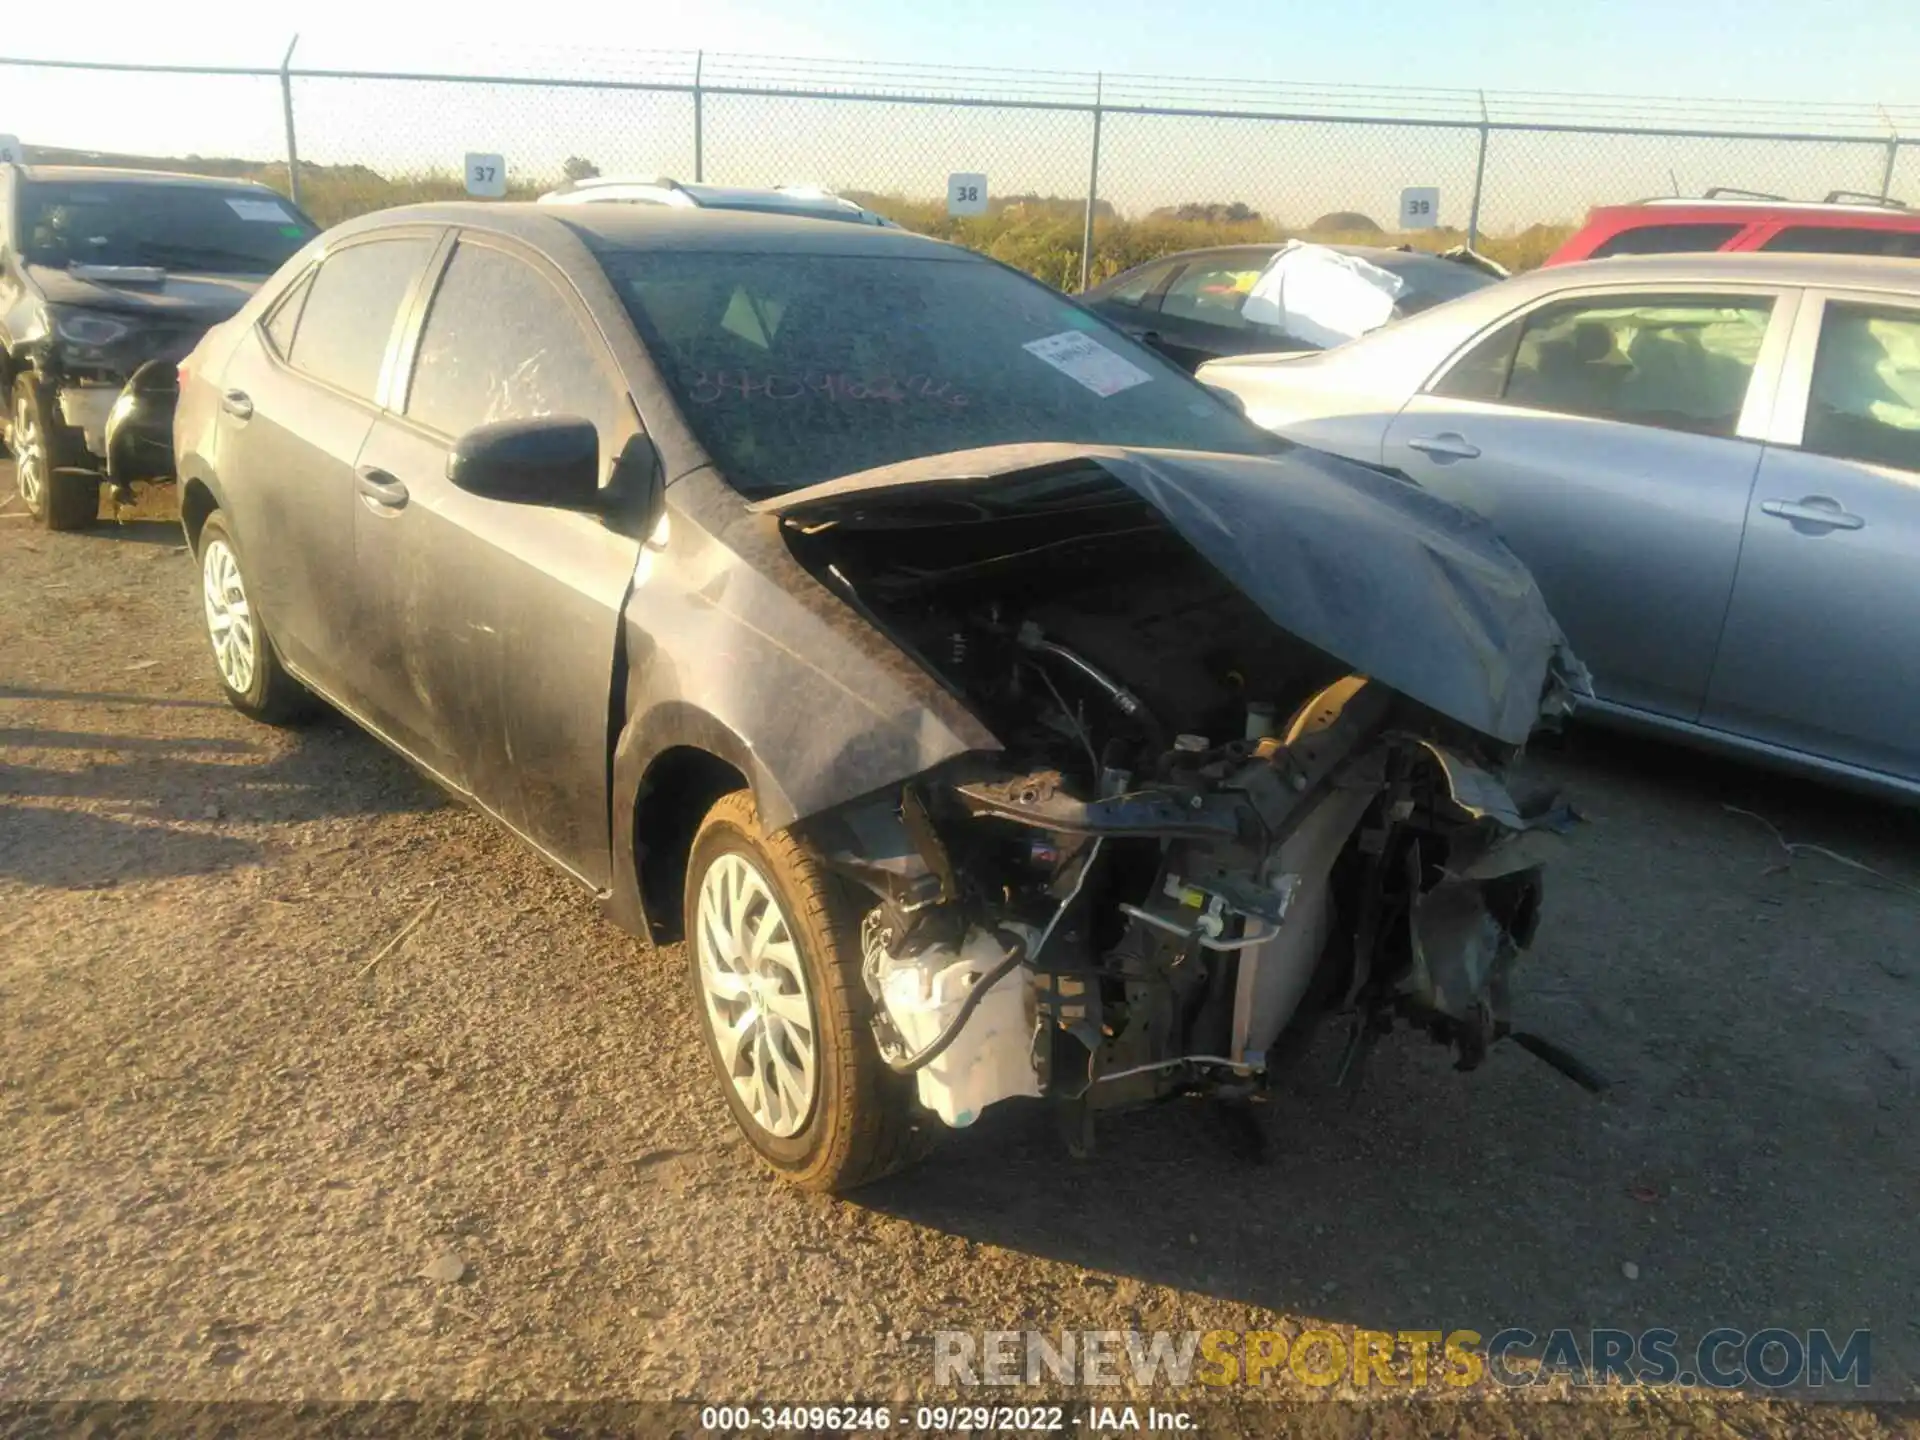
{"type": "Point", "coordinates": [10, 151]}
{"type": "Point", "coordinates": [486, 175]}
{"type": "Point", "coordinates": [966, 194]}
{"type": "Point", "coordinates": [1420, 207]}
{"type": "Point", "coordinates": [267, 211]}
{"type": "Point", "coordinates": [1087, 361]}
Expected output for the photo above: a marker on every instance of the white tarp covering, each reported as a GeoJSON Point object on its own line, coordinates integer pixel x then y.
{"type": "Point", "coordinates": [1321, 296]}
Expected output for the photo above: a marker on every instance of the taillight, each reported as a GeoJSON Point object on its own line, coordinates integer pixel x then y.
{"type": "Point", "coordinates": [180, 374]}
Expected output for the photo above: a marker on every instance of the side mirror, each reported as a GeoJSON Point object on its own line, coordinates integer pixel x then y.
{"type": "Point", "coordinates": [553, 460]}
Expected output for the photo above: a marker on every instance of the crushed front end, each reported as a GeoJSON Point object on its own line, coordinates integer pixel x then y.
{"type": "Point", "coordinates": [1205, 834]}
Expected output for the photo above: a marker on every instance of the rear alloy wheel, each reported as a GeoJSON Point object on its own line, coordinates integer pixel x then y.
{"type": "Point", "coordinates": [773, 956]}
{"type": "Point", "coordinates": [44, 455]}
{"type": "Point", "coordinates": [250, 670]}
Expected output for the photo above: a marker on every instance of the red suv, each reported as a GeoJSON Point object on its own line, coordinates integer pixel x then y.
{"type": "Point", "coordinates": [1842, 224]}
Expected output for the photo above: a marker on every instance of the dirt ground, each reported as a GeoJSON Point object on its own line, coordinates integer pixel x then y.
{"type": "Point", "coordinates": [232, 1143]}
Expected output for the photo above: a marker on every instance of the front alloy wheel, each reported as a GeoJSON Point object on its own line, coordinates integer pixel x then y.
{"type": "Point", "coordinates": [757, 1004]}
{"type": "Point", "coordinates": [49, 464]}
{"type": "Point", "coordinates": [29, 454]}
{"type": "Point", "coordinates": [773, 955]}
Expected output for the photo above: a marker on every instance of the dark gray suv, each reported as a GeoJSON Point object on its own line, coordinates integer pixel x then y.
{"type": "Point", "coordinates": [107, 279]}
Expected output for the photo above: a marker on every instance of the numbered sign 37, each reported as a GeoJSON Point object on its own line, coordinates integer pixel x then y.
{"type": "Point", "coordinates": [487, 176]}
{"type": "Point", "coordinates": [966, 194]}
{"type": "Point", "coordinates": [1420, 207]}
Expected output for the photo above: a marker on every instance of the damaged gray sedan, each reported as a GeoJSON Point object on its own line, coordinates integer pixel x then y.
{"type": "Point", "coordinates": [991, 710]}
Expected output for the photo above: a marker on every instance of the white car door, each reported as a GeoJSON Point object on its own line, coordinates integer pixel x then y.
{"type": "Point", "coordinates": [1612, 436]}
{"type": "Point", "coordinates": [1819, 650]}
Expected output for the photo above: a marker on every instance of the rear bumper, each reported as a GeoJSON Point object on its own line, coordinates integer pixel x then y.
{"type": "Point", "coordinates": [128, 430]}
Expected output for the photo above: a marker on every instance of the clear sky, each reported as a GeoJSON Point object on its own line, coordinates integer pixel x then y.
{"type": "Point", "coordinates": [1789, 56]}
{"type": "Point", "coordinates": [1815, 50]}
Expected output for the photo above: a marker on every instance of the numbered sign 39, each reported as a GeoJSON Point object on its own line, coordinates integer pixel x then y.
{"type": "Point", "coordinates": [487, 176]}
{"type": "Point", "coordinates": [1420, 207]}
{"type": "Point", "coordinates": [10, 151]}
{"type": "Point", "coordinates": [966, 194]}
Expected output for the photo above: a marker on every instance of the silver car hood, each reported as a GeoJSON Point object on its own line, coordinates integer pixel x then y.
{"type": "Point", "coordinates": [1394, 582]}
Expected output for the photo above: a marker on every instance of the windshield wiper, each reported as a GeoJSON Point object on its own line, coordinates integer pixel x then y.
{"type": "Point", "coordinates": [191, 257]}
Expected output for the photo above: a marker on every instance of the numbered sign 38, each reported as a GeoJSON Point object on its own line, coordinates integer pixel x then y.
{"type": "Point", "coordinates": [966, 194]}
{"type": "Point", "coordinates": [487, 176]}
{"type": "Point", "coordinates": [1419, 207]}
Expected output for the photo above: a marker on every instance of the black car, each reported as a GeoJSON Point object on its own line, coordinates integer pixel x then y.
{"type": "Point", "coordinates": [107, 279]}
{"type": "Point", "coordinates": [991, 708]}
{"type": "Point", "coordinates": [1187, 306]}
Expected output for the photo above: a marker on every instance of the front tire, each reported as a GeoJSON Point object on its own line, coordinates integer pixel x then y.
{"type": "Point", "coordinates": [44, 455]}
{"type": "Point", "coordinates": [773, 959]}
{"type": "Point", "coordinates": [243, 655]}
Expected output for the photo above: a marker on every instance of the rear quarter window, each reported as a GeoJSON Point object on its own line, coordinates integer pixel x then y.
{"type": "Point", "coordinates": [1666, 239]}
{"type": "Point", "coordinates": [1845, 240]}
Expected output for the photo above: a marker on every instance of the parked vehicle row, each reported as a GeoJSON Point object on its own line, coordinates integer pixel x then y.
{"type": "Point", "coordinates": [995, 708]}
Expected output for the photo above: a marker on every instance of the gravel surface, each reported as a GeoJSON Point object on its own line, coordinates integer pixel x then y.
{"type": "Point", "coordinates": [242, 1157]}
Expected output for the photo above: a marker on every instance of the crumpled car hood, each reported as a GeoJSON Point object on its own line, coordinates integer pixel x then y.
{"type": "Point", "coordinates": [181, 296]}
{"type": "Point", "coordinates": [1402, 586]}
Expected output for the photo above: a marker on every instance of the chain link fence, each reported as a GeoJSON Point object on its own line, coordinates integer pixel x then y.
{"type": "Point", "coordinates": [1087, 174]}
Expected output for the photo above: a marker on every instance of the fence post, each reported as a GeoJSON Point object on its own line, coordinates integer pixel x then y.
{"type": "Point", "coordinates": [286, 109]}
{"type": "Point", "coordinates": [1093, 186]}
{"type": "Point", "coordinates": [1893, 154]}
{"type": "Point", "coordinates": [699, 147]}
{"type": "Point", "coordinates": [1479, 179]}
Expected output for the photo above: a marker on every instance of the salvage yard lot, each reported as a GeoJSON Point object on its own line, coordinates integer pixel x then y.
{"type": "Point", "coordinates": [237, 1123]}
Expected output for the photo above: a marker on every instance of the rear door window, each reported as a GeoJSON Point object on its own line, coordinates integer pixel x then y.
{"type": "Point", "coordinates": [1865, 399]}
{"type": "Point", "coordinates": [502, 343]}
{"type": "Point", "coordinates": [350, 308]}
{"type": "Point", "coordinates": [1212, 294]}
{"type": "Point", "coordinates": [1679, 362]}
{"type": "Point", "coordinates": [1135, 293]}
{"type": "Point", "coordinates": [1667, 239]}
{"type": "Point", "coordinates": [1841, 240]}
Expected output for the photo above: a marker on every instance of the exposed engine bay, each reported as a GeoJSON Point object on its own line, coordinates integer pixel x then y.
{"type": "Point", "coordinates": [1203, 837]}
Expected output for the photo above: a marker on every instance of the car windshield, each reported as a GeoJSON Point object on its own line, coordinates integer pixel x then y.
{"type": "Point", "coordinates": [793, 369]}
{"type": "Point", "coordinates": [175, 227]}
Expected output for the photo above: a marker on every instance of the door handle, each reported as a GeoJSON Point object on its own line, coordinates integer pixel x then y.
{"type": "Point", "coordinates": [1817, 510]}
{"type": "Point", "coordinates": [1445, 446]}
{"type": "Point", "coordinates": [236, 404]}
{"type": "Point", "coordinates": [380, 487]}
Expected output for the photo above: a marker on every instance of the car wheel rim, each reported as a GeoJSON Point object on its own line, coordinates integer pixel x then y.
{"type": "Point", "coordinates": [754, 985]}
{"type": "Point", "coordinates": [229, 617]}
{"type": "Point", "coordinates": [29, 459]}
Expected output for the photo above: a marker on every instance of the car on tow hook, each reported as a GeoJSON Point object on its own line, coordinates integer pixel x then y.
{"type": "Point", "coordinates": [107, 279]}
{"type": "Point", "coordinates": [991, 709]}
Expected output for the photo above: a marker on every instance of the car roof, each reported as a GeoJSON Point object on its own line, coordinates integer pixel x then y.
{"type": "Point", "coordinates": [115, 175]}
{"type": "Point", "coordinates": [1748, 207]}
{"type": "Point", "coordinates": [1760, 267]}
{"type": "Point", "coordinates": [614, 228]}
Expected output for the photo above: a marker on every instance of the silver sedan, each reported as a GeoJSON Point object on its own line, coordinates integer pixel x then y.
{"type": "Point", "coordinates": [1710, 462]}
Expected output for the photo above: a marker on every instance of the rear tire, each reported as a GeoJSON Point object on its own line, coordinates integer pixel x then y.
{"type": "Point", "coordinates": [773, 957]}
{"type": "Point", "coordinates": [45, 452]}
{"type": "Point", "coordinates": [249, 668]}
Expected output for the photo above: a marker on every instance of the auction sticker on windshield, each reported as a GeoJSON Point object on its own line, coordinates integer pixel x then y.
{"type": "Point", "coordinates": [264, 210]}
{"type": "Point", "coordinates": [1083, 359]}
